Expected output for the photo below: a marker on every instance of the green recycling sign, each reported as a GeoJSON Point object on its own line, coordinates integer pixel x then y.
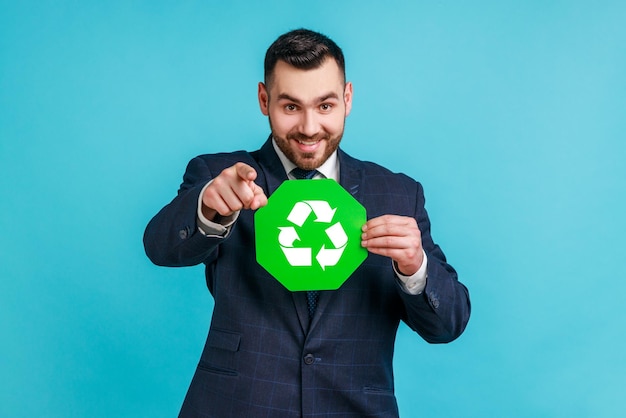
{"type": "Point", "coordinates": [308, 236]}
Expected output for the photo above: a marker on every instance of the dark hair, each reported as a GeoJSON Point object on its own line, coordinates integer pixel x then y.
{"type": "Point", "coordinates": [303, 49]}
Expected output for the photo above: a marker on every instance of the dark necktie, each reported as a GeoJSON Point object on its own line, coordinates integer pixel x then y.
{"type": "Point", "coordinates": [301, 174]}
{"type": "Point", "coordinates": [312, 295]}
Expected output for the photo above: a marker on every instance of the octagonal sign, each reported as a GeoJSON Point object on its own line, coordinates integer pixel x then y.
{"type": "Point", "coordinates": [308, 236]}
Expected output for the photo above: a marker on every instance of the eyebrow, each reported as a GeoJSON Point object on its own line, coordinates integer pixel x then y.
{"type": "Point", "coordinates": [331, 95]}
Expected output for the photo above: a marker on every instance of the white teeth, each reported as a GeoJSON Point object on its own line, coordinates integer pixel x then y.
{"type": "Point", "coordinates": [308, 143]}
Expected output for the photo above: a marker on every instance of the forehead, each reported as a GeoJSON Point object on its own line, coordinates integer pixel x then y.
{"type": "Point", "coordinates": [287, 79]}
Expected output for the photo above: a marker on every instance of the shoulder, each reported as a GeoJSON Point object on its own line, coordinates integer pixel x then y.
{"type": "Point", "coordinates": [384, 191]}
{"type": "Point", "coordinates": [376, 174]}
{"type": "Point", "coordinates": [223, 159]}
{"type": "Point", "coordinates": [205, 167]}
{"type": "Point", "coordinates": [210, 165]}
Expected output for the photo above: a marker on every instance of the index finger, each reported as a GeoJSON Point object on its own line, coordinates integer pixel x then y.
{"type": "Point", "coordinates": [245, 172]}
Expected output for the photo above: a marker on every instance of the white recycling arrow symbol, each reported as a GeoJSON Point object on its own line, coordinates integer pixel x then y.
{"type": "Point", "coordinates": [302, 257]}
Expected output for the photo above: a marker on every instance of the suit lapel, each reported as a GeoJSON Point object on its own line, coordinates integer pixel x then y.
{"type": "Point", "coordinates": [272, 169]}
{"type": "Point", "coordinates": [350, 176]}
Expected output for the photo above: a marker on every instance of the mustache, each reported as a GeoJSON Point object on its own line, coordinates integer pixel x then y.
{"type": "Point", "coordinates": [300, 137]}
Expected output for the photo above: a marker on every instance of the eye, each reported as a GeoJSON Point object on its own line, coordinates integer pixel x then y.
{"type": "Point", "coordinates": [326, 107]}
{"type": "Point", "coordinates": [291, 108]}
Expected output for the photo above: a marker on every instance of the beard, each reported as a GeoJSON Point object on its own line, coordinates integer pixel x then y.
{"type": "Point", "coordinates": [307, 160]}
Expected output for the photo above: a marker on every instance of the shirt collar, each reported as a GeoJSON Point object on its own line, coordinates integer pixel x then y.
{"type": "Point", "coordinates": [330, 168]}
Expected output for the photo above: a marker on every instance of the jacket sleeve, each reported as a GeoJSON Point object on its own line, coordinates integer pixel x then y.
{"type": "Point", "coordinates": [172, 237]}
{"type": "Point", "coordinates": [441, 312]}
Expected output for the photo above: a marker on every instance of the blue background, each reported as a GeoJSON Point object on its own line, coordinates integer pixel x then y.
{"type": "Point", "coordinates": [512, 114]}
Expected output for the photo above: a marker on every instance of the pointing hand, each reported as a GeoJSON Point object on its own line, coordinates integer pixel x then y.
{"type": "Point", "coordinates": [232, 190]}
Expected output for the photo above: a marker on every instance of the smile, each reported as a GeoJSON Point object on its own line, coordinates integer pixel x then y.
{"type": "Point", "coordinates": [308, 143]}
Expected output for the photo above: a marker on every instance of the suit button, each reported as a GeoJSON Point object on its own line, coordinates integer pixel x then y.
{"type": "Point", "coordinates": [183, 234]}
{"type": "Point", "coordinates": [309, 359]}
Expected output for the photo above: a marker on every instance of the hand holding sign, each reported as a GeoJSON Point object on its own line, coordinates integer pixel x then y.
{"type": "Point", "coordinates": [396, 237]}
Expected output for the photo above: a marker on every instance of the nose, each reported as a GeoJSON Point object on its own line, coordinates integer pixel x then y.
{"type": "Point", "coordinates": [309, 125]}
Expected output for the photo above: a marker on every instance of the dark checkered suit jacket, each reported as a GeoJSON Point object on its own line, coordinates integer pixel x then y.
{"type": "Point", "coordinates": [263, 357]}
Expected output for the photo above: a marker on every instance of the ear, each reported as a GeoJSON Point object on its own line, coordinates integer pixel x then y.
{"type": "Point", "coordinates": [263, 99]}
{"type": "Point", "coordinates": [347, 97]}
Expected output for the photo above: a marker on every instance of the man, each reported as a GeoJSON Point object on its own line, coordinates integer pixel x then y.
{"type": "Point", "coordinates": [266, 355]}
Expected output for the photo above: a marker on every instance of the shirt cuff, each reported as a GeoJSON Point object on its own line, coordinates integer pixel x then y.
{"type": "Point", "coordinates": [415, 284]}
{"type": "Point", "coordinates": [220, 227]}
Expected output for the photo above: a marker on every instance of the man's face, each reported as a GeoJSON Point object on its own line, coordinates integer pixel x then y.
{"type": "Point", "coordinates": [307, 111]}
